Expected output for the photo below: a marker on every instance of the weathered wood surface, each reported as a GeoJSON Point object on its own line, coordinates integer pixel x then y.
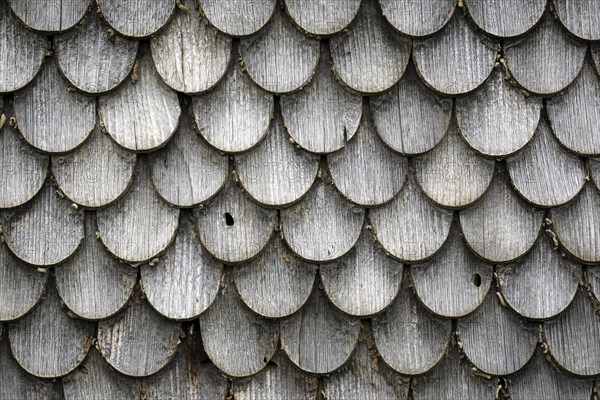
{"type": "Point", "coordinates": [143, 114]}
{"type": "Point", "coordinates": [50, 17]}
{"type": "Point", "coordinates": [49, 116]}
{"type": "Point", "coordinates": [238, 18]}
{"type": "Point", "coordinates": [234, 116]}
{"type": "Point", "coordinates": [454, 282]}
{"type": "Point", "coordinates": [369, 57]}
{"type": "Point", "coordinates": [452, 174]}
{"type": "Point", "coordinates": [138, 341]}
{"type": "Point", "coordinates": [46, 231]}
{"type": "Point", "coordinates": [238, 342]}
{"type": "Point", "coordinates": [95, 174]}
{"type": "Point", "coordinates": [137, 18]}
{"type": "Point", "coordinates": [410, 118]}
{"type": "Point", "coordinates": [189, 54]}
{"type": "Point", "coordinates": [410, 227]}
{"type": "Point", "coordinates": [91, 59]}
{"type": "Point", "coordinates": [322, 117]}
{"type": "Point", "coordinates": [498, 119]}
{"type": "Point", "coordinates": [495, 339]}
{"type": "Point", "coordinates": [186, 280]}
{"type": "Point", "coordinates": [275, 284]}
{"type": "Point", "coordinates": [277, 173]}
{"type": "Point", "coordinates": [366, 171]}
{"type": "Point", "coordinates": [365, 280]}
{"type": "Point", "coordinates": [322, 17]}
{"type": "Point", "coordinates": [506, 18]}
{"type": "Point", "coordinates": [232, 228]}
{"type": "Point", "coordinates": [280, 58]}
{"type": "Point", "coordinates": [581, 18]}
{"type": "Point", "coordinates": [318, 338]}
{"type": "Point", "coordinates": [47, 342]}
{"type": "Point", "coordinates": [577, 225]}
{"type": "Point", "coordinates": [546, 61]}
{"type": "Point", "coordinates": [545, 173]}
{"type": "Point", "coordinates": [140, 225]}
{"type": "Point", "coordinates": [456, 60]}
{"type": "Point", "coordinates": [417, 18]}
{"type": "Point", "coordinates": [542, 285]}
{"type": "Point", "coordinates": [323, 226]}
{"type": "Point", "coordinates": [501, 227]}
{"type": "Point", "coordinates": [93, 284]}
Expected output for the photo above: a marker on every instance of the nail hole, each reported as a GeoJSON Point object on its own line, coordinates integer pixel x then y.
{"type": "Point", "coordinates": [228, 219]}
{"type": "Point", "coordinates": [476, 280]}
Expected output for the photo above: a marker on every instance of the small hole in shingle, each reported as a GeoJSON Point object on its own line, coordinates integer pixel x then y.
{"type": "Point", "coordinates": [476, 279]}
{"type": "Point", "coordinates": [228, 219]}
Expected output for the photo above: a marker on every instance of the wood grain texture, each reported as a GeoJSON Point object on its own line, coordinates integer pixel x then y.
{"type": "Point", "coordinates": [50, 117]}
{"type": "Point", "coordinates": [366, 171]}
{"type": "Point", "coordinates": [21, 286]}
{"type": "Point", "coordinates": [91, 59]}
{"type": "Point", "coordinates": [504, 18]}
{"type": "Point", "coordinates": [540, 380]}
{"type": "Point", "coordinates": [453, 379]}
{"type": "Point", "coordinates": [411, 119]}
{"type": "Point", "coordinates": [95, 174]}
{"type": "Point", "coordinates": [280, 58]}
{"type": "Point", "coordinates": [93, 284]}
{"type": "Point", "coordinates": [545, 173]}
{"type": "Point", "coordinates": [454, 282]}
{"type": "Point", "coordinates": [234, 116]}
{"type": "Point", "coordinates": [23, 52]}
{"type": "Point", "coordinates": [369, 58]}
{"type": "Point", "coordinates": [187, 377]}
{"type": "Point", "coordinates": [22, 169]}
{"type": "Point", "coordinates": [278, 380]}
{"type": "Point", "coordinates": [276, 173]}
{"type": "Point", "coordinates": [542, 285]}
{"type": "Point", "coordinates": [138, 341]}
{"type": "Point", "coordinates": [322, 17]}
{"type": "Point", "coordinates": [592, 276]}
{"type": "Point", "coordinates": [187, 172]}
{"type": "Point", "coordinates": [238, 18]}
{"type": "Point", "coordinates": [501, 227]}
{"type": "Point", "coordinates": [364, 281]}
{"type": "Point", "coordinates": [275, 284]}
{"type": "Point", "coordinates": [232, 228]}
{"type": "Point", "coordinates": [367, 375]}
{"type": "Point", "coordinates": [318, 338]}
{"type": "Point", "coordinates": [190, 55]}
{"type": "Point", "coordinates": [456, 60]}
{"type": "Point", "coordinates": [575, 114]}
{"type": "Point", "coordinates": [322, 116]}
{"type": "Point", "coordinates": [410, 227]}
{"type": "Point", "coordinates": [323, 226]}
{"type": "Point", "coordinates": [409, 339]}
{"type": "Point", "coordinates": [141, 116]}
{"type": "Point", "coordinates": [452, 174]}
{"type": "Point", "coordinates": [140, 225]}
{"type": "Point", "coordinates": [46, 231]}
{"type": "Point", "coordinates": [495, 339]}
{"type": "Point", "coordinates": [573, 337]}
{"type": "Point", "coordinates": [136, 18]}
{"type": "Point", "coordinates": [417, 18]}
{"type": "Point", "coordinates": [594, 168]}
{"type": "Point", "coordinates": [47, 342]}
{"type": "Point", "coordinates": [238, 342]}
{"type": "Point", "coordinates": [18, 384]}
{"type": "Point", "coordinates": [50, 17]}
{"type": "Point", "coordinates": [577, 225]}
{"type": "Point", "coordinates": [498, 119]}
{"type": "Point", "coordinates": [581, 18]}
{"type": "Point", "coordinates": [96, 380]}
{"type": "Point", "coordinates": [186, 280]}
{"type": "Point", "coordinates": [546, 61]}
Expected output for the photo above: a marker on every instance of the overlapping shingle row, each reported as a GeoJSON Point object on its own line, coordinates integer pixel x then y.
{"type": "Point", "coordinates": [299, 199]}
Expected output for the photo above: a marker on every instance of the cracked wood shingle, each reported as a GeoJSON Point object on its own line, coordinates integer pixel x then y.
{"type": "Point", "coordinates": [322, 17]}
{"type": "Point", "coordinates": [238, 18]}
{"type": "Point", "coordinates": [50, 17]}
{"type": "Point", "coordinates": [417, 18]}
{"type": "Point", "coordinates": [504, 18]}
{"type": "Point", "coordinates": [137, 18]}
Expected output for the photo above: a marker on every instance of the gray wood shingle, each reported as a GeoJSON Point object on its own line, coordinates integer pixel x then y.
{"type": "Point", "coordinates": [417, 18]}
{"type": "Point", "coordinates": [506, 18]}
{"type": "Point", "coordinates": [238, 18]}
{"type": "Point", "coordinates": [322, 17]}
{"type": "Point", "coordinates": [50, 17]}
{"type": "Point", "coordinates": [136, 18]}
